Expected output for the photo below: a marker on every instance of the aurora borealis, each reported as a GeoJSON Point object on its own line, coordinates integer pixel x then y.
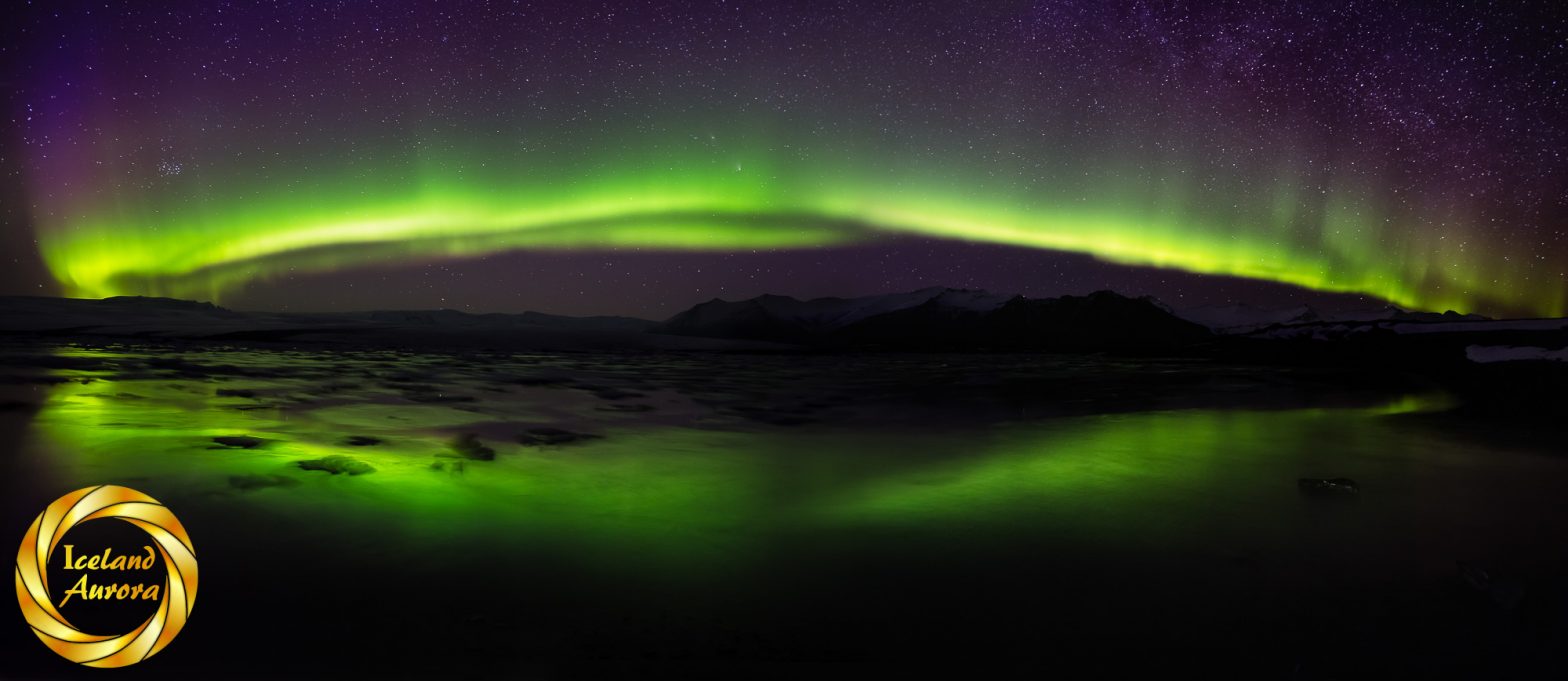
{"type": "Point", "coordinates": [510, 338]}
{"type": "Point", "coordinates": [203, 150]}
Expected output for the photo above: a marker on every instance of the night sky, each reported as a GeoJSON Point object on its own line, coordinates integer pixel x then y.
{"type": "Point", "coordinates": [637, 158]}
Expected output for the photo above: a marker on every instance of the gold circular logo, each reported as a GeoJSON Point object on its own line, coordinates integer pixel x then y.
{"type": "Point", "coordinates": [178, 592]}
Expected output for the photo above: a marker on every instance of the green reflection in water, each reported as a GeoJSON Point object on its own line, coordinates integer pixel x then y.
{"type": "Point", "coordinates": [658, 493]}
{"type": "Point", "coordinates": [689, 498]}
{"type": "Point", "coordinates": [1143, 470]}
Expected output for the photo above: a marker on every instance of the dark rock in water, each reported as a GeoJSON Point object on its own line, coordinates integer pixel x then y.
{"type": "Point", "coordinates": [778, 418]}
{"type": "Point", "coordinates": [239, 441]}
{"type": "Point", "coordinates": [1328, 486]}
{"type": "Point", "coordinates": [626, 408]}
{"type": "Point", "coordinates": [468, 446]}
{"type": "Point", "coordinates": [249, 483]}
{"type": "Point", "coordinates": [1505, 592]}
{"type": "Point", "coordinates": [536, 437]}
{"type": "Point", "coordinates": [37, 380]}
{"type": "Point", "coordinates": [437, 398]}
{"type": "Point", "coordinates": [361, 441]}
{"type": "Point", "coordinates": [235, 392]}
{"type": "Point", "coordinates": [456, 467]}
{"type": "Point", "coordinates": [539, 381]}
{"type": "Point", "coordinates": [337, 463]}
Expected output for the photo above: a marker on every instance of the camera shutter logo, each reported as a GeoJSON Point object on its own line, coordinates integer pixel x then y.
{"type": "Point", "coordinates": [178, 592]}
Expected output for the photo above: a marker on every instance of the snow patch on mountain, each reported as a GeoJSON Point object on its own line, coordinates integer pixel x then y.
{"type": "Point", "coordinates": [1305, 320]}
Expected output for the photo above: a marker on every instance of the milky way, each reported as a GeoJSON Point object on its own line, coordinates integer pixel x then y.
{"type": "Point", "coordinates": [1409, 154]}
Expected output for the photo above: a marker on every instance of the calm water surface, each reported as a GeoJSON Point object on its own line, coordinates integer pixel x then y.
{"type": "Point", "coordinates": [780, 516]}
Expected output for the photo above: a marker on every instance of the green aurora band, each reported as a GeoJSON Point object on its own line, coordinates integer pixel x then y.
{"type": "Point", "coordinates": [208, 236]}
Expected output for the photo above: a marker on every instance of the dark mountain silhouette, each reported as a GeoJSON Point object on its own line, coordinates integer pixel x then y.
{"type": "Point", "coordinates": [945, 319]}
{"type": "Point", "coordinates": [933, 319]}
{"type": "Point", "coordinates": [786, 319]}
{"type": "Point", "coordinates": [1239, 318]}
{"type": "Point", "coordinates": [1100, 320]}
{"type": "Point", "coordinates": [763, 317]}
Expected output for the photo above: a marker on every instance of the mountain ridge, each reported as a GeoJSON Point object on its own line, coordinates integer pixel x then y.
{"type": "Point", "coordinates": [944, 318]}
{"type": "Point", "coordinates": [928, 319]}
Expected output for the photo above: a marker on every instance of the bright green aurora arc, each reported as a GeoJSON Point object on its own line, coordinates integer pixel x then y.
{"type": "Point", "coordinates": [205, 247]}
{"type": "Point", "coordinates": [214, 185]}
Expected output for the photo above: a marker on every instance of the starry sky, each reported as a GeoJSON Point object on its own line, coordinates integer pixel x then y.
{"type": "Point", "coordinates": [635, 158]}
